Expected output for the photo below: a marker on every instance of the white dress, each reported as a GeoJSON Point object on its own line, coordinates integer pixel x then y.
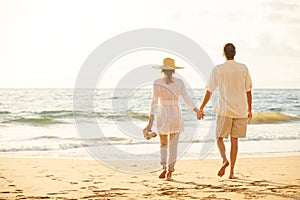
{"type": "Point", "coordinates": [165, 105]}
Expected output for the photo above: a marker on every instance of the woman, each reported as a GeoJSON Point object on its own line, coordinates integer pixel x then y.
{"type": "Point", "coordinates": [165, 107]}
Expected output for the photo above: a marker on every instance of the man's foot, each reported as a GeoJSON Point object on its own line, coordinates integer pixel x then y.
{"type": "Point", "coordinates": [233, 177]}
{"type": "Point", "coordinates": [163, 174]}
{"type": "Point", "coordinates": [222, 170]}
{"type": "Point", "coordinates": [169, 176]}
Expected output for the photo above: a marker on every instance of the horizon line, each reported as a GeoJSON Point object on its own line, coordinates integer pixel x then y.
{"type": "Point", "coordinates": [69, 88]}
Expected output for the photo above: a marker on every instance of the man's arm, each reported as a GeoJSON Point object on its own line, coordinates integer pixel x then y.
{"type": "Point", "coordinates": [249, 100]}
{"type": "Point", "coordinates": [204, 102]}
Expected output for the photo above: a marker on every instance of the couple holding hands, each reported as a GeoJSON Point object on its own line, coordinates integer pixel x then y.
{"type": "Point", "coordinates": [233, 109]}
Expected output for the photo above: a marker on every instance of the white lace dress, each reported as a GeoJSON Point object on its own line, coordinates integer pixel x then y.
{"type": "Point", "coordinates": [165, 105]}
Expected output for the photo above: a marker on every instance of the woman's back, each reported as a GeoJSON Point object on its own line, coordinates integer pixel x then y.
{"type": "Point", "coordinates": [168, 93]}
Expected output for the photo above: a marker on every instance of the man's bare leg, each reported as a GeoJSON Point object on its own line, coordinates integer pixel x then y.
{"type": "Point", "coordinates": [222, 151]}
{"type": "Point", "coordinates": [233, 155]}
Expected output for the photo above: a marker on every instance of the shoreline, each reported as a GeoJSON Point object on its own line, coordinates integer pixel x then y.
{"type": "Point", "coordinates": [57, 178]}
{"type": "Point", "coordinates": [183, 158]}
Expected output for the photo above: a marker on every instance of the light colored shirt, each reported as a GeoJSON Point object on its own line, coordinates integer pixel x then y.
{"type": "Point", "coordinates": [165, 105]}
{"type": "Point", "coordinates": [233, 81]}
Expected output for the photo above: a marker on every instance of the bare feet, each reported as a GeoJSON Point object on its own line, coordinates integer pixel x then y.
{"type": "Point", "coordinates": [222, 170]}
{"type": "Point", "coordinates": [169, 176]}
{"type": "Point", "coordinates": [233, 177]}
{"type": "Point", "coordinates": [163, 174]}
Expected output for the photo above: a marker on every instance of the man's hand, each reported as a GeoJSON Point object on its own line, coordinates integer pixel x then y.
{"type": "Point", "coordinates": [249, 116]}
{"type": "Point", "coordinates": [200, 114]}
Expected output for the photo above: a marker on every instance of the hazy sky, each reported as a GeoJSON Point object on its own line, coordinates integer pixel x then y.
{"type": "Point", "coordinates": [43, 43]}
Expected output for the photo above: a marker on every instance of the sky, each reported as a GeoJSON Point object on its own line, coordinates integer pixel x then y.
{"type": "Point", "coordinates": [43, 43]}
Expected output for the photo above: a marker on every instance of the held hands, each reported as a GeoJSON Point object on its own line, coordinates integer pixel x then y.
{"type": "Point", "coordinates": [200, 114]}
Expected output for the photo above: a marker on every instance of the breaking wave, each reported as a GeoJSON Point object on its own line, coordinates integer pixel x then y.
{"type": "Point", "coordinates": [272, 118]}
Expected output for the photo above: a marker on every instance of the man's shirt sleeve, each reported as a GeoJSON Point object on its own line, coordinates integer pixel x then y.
{"type": "Point", "coordinates": [213, 82]}
{"type": "Point", "coordinates": [248, 82]}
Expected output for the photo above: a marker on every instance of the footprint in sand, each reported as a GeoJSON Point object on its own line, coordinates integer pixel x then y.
{"type": "Point", "coordinates": [100, 190]}
{"type": "Point", "coordinates": [11, 185]}
{"type": "Point", "coordinates": [133, 182]}
{"type": "Point", "coordinates": [119, 188]}
{"type": "Point", "coordinates": [43, 171]}
{"type": "Point", "coordinates": [147, 194]}
{"type": "Point", "coordinates": [18, 191]}
{"type": "Point", "coordinates": [20, 196]}
{"type": "Point", "coordinates": [92, 187]}
{"type": "Point", "coordinates": [87, 180]}
{"type": "Point", "coordinates": [10, 181]}
{"type": "Point", "coordinates": [66, 191]}
{"type": "Point", "coordinates": [98, 182]}
{"type": "Point", "coordinates": [56, 193]}
{"type": "Point", "coordinates": [259, 183]}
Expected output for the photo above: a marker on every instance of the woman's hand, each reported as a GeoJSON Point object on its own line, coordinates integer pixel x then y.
{"type": "Point", "coordinates": [196, 110]}
{"type": "Point", "coordinates": [148, 127]}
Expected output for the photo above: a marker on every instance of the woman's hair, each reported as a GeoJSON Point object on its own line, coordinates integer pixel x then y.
{"type": "Point", "coordinates": [169, 73]}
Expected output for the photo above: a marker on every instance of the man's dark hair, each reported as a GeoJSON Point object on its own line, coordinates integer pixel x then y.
{"type": "Point", "coordinates": [229, 50]}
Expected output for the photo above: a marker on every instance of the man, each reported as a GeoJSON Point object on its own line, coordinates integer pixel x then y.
{"type": "Point", "coordinates": [233, 107]}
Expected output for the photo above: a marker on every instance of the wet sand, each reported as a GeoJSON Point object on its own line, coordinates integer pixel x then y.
{"type": "Point", "coordinates": [49, 178]}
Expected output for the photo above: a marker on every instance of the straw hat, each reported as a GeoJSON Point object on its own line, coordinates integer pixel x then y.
{"type": "Point", "coordinates": [168, 64]}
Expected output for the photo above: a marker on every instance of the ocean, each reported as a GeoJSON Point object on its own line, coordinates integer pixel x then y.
{"type": "Point", "coordinates": [41, 123]}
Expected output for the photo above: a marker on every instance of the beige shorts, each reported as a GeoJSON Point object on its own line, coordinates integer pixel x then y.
{"type": "Point", "coordinates": [235, 127]}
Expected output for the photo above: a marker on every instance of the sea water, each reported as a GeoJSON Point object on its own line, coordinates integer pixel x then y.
{"type": "Point", "coordinates": [44, 123]}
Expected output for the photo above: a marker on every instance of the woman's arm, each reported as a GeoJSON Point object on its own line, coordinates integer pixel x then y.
{"type": "Point", "coordinates": [154, 105]}
{"type": "Point", "coordinates": [187, 99]}
{"type": "Point", "coordinates": [150, 122]}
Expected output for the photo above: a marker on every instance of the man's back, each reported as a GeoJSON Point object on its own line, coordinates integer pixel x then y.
{"type": "Point", "coordinates": [234, 106]}
{"type": "Point", "coordinates": [233, 80]}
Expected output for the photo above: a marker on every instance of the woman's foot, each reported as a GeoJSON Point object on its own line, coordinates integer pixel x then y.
{"type": "Point", "coordinates": [163, 174]}
{"type": "Point", "coordinates": [169, 176]}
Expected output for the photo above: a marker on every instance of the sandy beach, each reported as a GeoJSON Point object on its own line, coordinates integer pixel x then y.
{"type": "Point", "coordinates": [49, 178]}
